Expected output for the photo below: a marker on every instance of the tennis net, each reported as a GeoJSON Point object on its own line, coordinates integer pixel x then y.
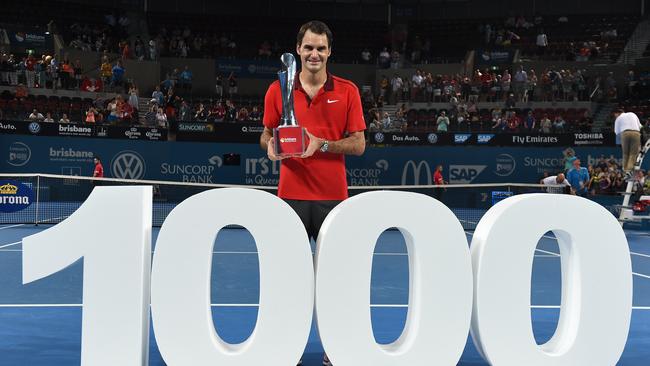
{"type": "Point", "coordinates": [55, 197]}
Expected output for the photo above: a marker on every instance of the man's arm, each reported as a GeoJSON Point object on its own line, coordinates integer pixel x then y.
{"type": "Point", "coordinates": [354, 144]}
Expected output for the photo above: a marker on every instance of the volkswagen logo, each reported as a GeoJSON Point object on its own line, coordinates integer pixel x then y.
{"type": "Point", "coordinates": [34, 127]}
{"type": "Point", "coordinates": [128, 165]}
{"type": "Point", "coordinates": [433, 138]}
{"type": "Point", "coordinates": [379, 137]}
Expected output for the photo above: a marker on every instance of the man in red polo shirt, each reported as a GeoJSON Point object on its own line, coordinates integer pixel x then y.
{"type": "Point", "coordinates": [329, 108]}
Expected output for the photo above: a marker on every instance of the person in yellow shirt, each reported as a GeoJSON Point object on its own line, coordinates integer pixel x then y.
{"type": "Point", "coordinates": [106, 71]}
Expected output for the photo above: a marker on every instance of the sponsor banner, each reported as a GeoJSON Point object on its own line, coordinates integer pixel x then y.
{"type": "Point", "coordinates": [239, 163]}
{"type": "Point", "coordinates": [247, 69]}
{"type": "Point", "coordinates": [493, 57]}
{"type": "Point", "coordinates": [15, 196]}
{"type": "Point", "coordinates": [248, 132]}
{"type": "Point", "coordinates": [492, 139]}
{"type": "Point", "coordinates": [22, 40]}
{"type": "Point", "coordinates": [134, 133]}
{"type": "Point", "coordinates": [82, 130]}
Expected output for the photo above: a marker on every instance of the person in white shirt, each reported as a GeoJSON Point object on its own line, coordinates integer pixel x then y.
{"type": "Point", "coordinates": [554, 181]}
{"type": "Point", "coordinates": [48, 118]}
{"type": "Point", "coordinates": [628, 127]}
{"type": "Point", "coordinates": [36, 116]}
{"type": "Point", "coordinates": [542, 43]}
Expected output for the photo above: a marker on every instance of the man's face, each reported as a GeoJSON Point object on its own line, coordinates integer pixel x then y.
{"type": "Point", "coordinates": [313, 51]}
{"type": "Point", "coordinates": [96, 160]}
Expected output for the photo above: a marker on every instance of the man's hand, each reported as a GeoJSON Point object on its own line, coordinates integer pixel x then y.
{"type": "Point", "coordinates": [315, 144]}
{"type": "Point", "coordinates": [270, 151]}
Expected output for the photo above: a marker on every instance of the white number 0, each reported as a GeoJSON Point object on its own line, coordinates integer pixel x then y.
{"type": "Point", "coordinates": [451, 289]}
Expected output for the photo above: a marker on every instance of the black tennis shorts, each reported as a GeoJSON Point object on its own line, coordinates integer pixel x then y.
{"type": "Point", "coordinates": [312, 213]}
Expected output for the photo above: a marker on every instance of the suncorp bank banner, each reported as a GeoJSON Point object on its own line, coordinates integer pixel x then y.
{"type": "Point", "coordinates": [248, 164]}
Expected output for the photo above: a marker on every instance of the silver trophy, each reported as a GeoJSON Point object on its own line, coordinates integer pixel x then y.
{"type": "Point", "coordinates": [290, 139]}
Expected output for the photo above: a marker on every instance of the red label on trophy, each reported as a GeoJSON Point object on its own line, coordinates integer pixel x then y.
{"type": "Point", "coordinates": [289, 138]}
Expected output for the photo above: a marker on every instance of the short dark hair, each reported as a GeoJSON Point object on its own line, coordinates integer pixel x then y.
{"type": "Point", "coordinates": [619, 110]}
{"type": "Point", "coordinates": [97, 157]}
{"type": "Point", "coordinates": [318, 27]}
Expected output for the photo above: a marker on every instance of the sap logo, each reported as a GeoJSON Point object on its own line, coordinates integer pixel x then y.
{"type": "Point", "coordinates": [464, 173]}
{"type": "Point", "coordinates": [461, 138]}
{"type": "Point", "coordinates": [485, 138]}
{"type": "Point", "coordinates": [505, 165]}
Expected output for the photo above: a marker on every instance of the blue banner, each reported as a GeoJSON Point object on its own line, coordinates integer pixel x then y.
{"type": "Point", "coordinates": [248, 164]}
{"type": "Point", "coordinates": [248, 69]}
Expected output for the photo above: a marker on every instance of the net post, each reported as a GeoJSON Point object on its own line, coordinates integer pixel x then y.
{"type": "Point", "coordinates": [38, 197]}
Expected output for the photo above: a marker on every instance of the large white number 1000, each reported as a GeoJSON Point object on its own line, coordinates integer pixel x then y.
{"type": "Point", "coordinates": [112, 232]}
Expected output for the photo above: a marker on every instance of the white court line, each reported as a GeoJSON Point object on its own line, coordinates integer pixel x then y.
{"type": "Point", "coordinates": [640, 255]}
{"type": "Point", "coordinates": [257, 305]}
{"type": "Point", "coordinates": [641, 275]}
{"type": "Point", "coordinates": [10, 244]}
{"type": "Point", "coordinates": [10, 226]}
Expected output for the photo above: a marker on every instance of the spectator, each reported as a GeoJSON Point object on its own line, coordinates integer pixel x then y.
{"type": "Point", "coordinates": [118, 75]}
{"type": "Point", "coordinates": [185, 112]}
{"type": "Point", "coordinates": [201, 114]}
{"type": "Point", "coordinates": [231, 112]}
{"type": "Point", "coordinates": [232, 85]}
{"type": "Point", "coordinates": [520, 83]}
{"type": "Point", "coordinates": [64, 119]}
{"type": "Point", "coordinates": [134, 101]}
{"type": "Point", "coordinates": [365, 56]}
{"type": "Point", "coordinates": [219, 86]}
{"type": "Point", "coordinates": [35, 116]}
{"type": "Point", "coordinates": [48, 118]}
{"type": "Point", "coordinates": [529, 122]}
{"type": "Point", "coordinates": [255, 115]}
{"type": "Point", "coordinates": [158, 96]}
{"type": "Point", "coordinates": [542, 43]}
{"type": "Point", "coordinates": [90, 115]}
{"type": "Point", "coordinates": [242, 114]}
{"type": "Point", "coordinates": [442, 122]}
{"type": "Point", "coordinates": [186, 79]}
{"type": "Point", "coordinates": [78, 73]}
{"type": "Point", "coordinates": [106, 71]}
{"type": "Point", "coordinates": [384, 58]}
{"type": "Point", "coordinates": [578, 177]}
{"type": "Point", "coordinates": [161, 118]}
{"type": "Point", "coordinates": [558, 124]}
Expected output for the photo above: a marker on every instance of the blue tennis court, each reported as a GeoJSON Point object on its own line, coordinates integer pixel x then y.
{"type": "Point", "coordinates": [40, 323]}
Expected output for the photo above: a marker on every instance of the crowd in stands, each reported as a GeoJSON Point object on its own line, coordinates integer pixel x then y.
{"type": "Point", "coordinates": [606, 176]}
{"type": "Point", "coordinates": [48, 72]}
{"type": "Point", "coordinates": [106, 36]}
{"type": "Point", "coordinates": [466, 117]}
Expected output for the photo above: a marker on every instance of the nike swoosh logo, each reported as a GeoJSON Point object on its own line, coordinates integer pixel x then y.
{"type": "Point", "coordinates": [332, 101]}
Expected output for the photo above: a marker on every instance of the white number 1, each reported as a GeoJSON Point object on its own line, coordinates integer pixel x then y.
{"type": "Point", "coordinates": [111, 231]}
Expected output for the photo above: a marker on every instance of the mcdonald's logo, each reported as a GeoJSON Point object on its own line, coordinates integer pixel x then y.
{"type": "Point", "coordinates": [417, 173]}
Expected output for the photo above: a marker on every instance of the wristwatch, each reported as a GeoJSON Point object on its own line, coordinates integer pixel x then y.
{"type": "Point", "coordinates": [325, 146]}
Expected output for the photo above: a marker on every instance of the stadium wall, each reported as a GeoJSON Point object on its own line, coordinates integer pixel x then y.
{"type": "Point", "coordinates": [247, 163]}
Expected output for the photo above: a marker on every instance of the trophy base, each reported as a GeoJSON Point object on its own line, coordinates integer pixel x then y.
{"type": "Point", "coordinates": [290, 141]}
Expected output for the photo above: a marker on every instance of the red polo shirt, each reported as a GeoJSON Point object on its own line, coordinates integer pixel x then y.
{"type": "Point", "coordinates": [99, 171]}
{"type": "Point", "coordinates": [334, 112]}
